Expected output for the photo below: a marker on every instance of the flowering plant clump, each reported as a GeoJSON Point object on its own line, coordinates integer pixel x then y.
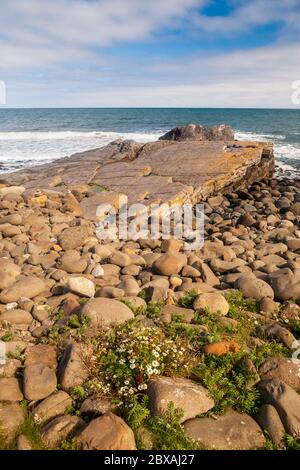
{"type": "Point", "coordinates": [133, 354]}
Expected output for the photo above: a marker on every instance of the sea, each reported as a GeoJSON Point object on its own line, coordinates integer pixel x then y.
{"type": "Point", "coordinates": [34, 136]}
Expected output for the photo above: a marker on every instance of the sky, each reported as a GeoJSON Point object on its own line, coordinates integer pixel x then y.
{"type": "Point", "coordinates": [149, 53]}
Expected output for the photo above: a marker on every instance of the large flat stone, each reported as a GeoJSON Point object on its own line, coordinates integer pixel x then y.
{"type": "Point", "coordinates": [156, 172]}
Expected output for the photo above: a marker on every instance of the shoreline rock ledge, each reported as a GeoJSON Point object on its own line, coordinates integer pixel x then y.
{"type": "Point", "coordinates": [187, 164]}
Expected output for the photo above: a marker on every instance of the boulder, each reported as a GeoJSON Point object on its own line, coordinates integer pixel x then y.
{"type": "Point", "coordinates": [286, 401]}
{"type": "Point", "coordinates": [281, 368]}
{"type": "Point", "coordinates": [73, 368]}
{"type": "Point", "coordinates": [39, 381]}
{"type": "Point", "coordinates": [10, 390]}
{"type": "Point", "coordinates": [253, 288]}
{"type": "Point", "coordinates": [231, 431]}
{"type": "Point", "coordinates": [285, 284]}
{"type": "Point", "coordinates": [212, 302]}
{"type": "Point", "coordinates": [45, 354]}
{"type": "Point", "coordinates": [73, 237]}
{"type": "Point", "coordinates": [108, 432]}
{"type": "Point", "coordinates": [280, 333]}
{"type": "Point", "coordinates": [12, 417]}
{"type": "Point", "coordinates": [28, 287]}
{"type": "Point", "coordinates": [269, 420]}
{"type": "Point", "coordinates": [198, 132]}
{"type": "Point", "coordinates": [52, 406]}
{"type": "Point", "coordinates": [9, 273]}
{"type": "Point", "coordinates": [106, 312]}
{"type": "Point", "coordinates": [81, 286]}
{"type": "Point", "coordinates": [169, 263]}
{"type": "Point", "coordinates": [191, 398]}
{"type": "Point", "coordinates": [61, 428]}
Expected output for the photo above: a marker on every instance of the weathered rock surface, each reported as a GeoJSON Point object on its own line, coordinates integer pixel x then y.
{"type": "Point", "coordinates": [109, 432]}
{"type": "Point", "coordinates": [197, 132]}
{"type": "Point", "coordinates": [286, 401]}
{"type": "Point", "coordinates": [231, 431]}
{"type": "Point", "coordinates": [191, 398]}
{"type": "Point", "coordinates": [106, 312]}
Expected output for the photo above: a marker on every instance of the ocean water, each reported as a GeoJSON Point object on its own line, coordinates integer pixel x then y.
{"type": "Point", "coordinates": [34, 136]}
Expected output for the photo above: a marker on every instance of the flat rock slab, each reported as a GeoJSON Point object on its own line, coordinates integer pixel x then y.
{"type": "Point", "coordinates": [156, 172]}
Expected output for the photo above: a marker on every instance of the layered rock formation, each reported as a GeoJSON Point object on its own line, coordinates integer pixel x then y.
{"type": "Point", "coordinates": [182, 167]}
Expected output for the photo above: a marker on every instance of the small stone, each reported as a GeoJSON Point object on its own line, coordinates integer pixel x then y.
{"type": "Point", "coordinates": [95, 406]}
{"type": "Point", "coordinates": [282, 334]}
{"type": "Point", "coordinates": [281, 368]}
{"type": "Point", "coordinates": [81, 286]}
{"type": "Point", "coordinates": [73, 237]}
{"type": "Point", "coordinates": [268, 306]}
{"type": "Point", "coordinates": [170, 312]}
{"type": "Point", "coordinates": [12, 417]}
{"type": "Point", "coordinates": [171, 244]}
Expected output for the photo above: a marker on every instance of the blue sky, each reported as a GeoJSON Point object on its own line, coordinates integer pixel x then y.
{"type": "Point", "coordinates": [181, 53]}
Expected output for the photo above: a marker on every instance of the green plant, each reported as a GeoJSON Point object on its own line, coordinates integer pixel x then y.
{"type": "Point", "coordinates": [131, 354]}
{"type": "Point", "coordinates": [8, 336]}
{"type": "Point", "coordinates": [154, 309]}
{"type": "Point", "coordinates": [168, 432]}
{"type": "Point", "coordinates": [238, 303]}
{"type": "Point", "coordinates": [291, 442]}
{"type": "Point", "coordinates": [187, 300]}
{"type": "Point", "coordinates": [228, 383]}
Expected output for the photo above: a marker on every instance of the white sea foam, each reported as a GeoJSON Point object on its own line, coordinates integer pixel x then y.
{"type": "Point", "coordinates": [285, 153]}
{"type": "Point", "coordinates": [23, 149]}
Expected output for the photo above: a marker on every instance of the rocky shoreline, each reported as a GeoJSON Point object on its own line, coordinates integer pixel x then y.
{"type": "Point", "coordinates": [130, 345]}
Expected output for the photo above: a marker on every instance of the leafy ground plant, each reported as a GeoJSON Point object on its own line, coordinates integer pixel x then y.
{"type": "Point", "coordinates": [131, 354]}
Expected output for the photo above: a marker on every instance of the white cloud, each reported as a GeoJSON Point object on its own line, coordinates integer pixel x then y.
{"type": "Point", "coordinates": [56, 53]}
